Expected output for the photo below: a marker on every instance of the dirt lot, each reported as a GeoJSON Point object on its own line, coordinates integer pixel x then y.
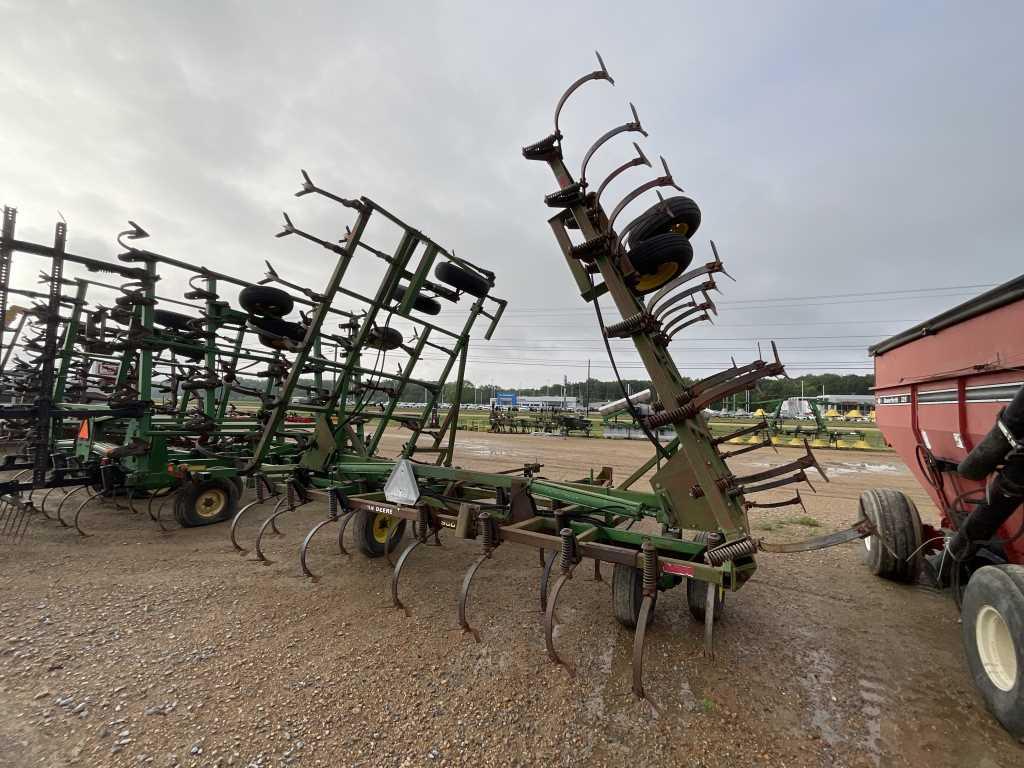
{"type": "Point", "coordinates": [136, 648]}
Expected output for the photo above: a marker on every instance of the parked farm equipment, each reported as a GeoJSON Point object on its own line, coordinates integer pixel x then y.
{"type": "Point", "coordinates": [701, 506]}
{"type": "Point", "coordinates": [950, 400]}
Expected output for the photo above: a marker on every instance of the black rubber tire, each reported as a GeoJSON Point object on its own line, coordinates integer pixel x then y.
{"type": "Point", "coordinates": [682, 218]}
{"type": "Point", "coordinates": [275, 325]}
{"type": "Point", "coordinates": [384, 338]}
{"type": "Point", "coordinates": [265, 300]}
{"type": "Point", "coordinates": [658, 259]}
{"type": "Point", "coordinates": [697, 592]}
{"type": "Point", "coordinates": [628, 594]}
{"type": "Point", "coordinates": [366, 528]}
{"type": "Point", "coordinates": [462, 279]}
{"type": "Point", "coordinates": [899, 526]}
{"type": "Point", "coordinates": [175, 320]}
{"type": "Point", "coordinates": [205, 503]}
{"type": "Point", "coordinates": [424, 304]}
{"type": "Point", "coordinates": [239, 484]}
{"type": "Point", "coordinates": [998, 589]}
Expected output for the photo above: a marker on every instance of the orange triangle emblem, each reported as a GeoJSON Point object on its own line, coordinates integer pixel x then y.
{"type": "Point", "coordinates": [83, 431]}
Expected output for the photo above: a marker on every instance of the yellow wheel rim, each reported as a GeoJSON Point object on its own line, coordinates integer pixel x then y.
{"type": "Point", "coordinates": [382, 527]}
{"type": "Point", "coordinates": [655, 280]}
{"type": "Point", "coordinates": [211, 503]}
{"type": "Point", "coordinates": [681, 228]}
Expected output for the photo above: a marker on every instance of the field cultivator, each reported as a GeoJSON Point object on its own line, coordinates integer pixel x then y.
{"type": "Point", "coordinates": [119, 399]}
{"type": "Point", "coordinates": [701, 506]}
{"type": "Point", "coordinates": [323, 390]}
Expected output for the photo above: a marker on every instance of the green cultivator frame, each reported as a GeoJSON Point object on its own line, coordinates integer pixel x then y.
{"type": "Point", "coordinates": [298, 410]}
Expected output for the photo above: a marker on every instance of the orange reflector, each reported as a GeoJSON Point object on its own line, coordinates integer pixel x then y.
{"type": "Point", "coordinates": [83, 431]}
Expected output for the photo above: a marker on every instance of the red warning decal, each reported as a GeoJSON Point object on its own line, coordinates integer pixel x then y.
{"type": "Point", "coordinates": [677, 570]}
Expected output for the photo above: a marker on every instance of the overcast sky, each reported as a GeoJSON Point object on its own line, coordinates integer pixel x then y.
{"type": "Point", "coordinates": [851, 148]}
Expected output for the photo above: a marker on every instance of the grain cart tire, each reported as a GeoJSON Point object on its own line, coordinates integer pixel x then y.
{"type": "Point", "coordinates": [658, 259]}
{"type": "Point", "coordinates": [372, 529]}
{"type": "Point", "coordinates": [424, 304]}
{"type": "Point", "coordinates": [384, 338]}
{"type": "Point", "coordinates": [892, 553]}
{"type": "Point", "coordinates": [205, 502]}
{"type": "Point", "coordinates": [682, 218]}
{"type": "Point", "coordinates": [697, 591]}
{"type": "Point", "coordinates": [462, 279]}
{"type": "Point", "coordinates": [265, 300]}
{"type": "Point", "coordinates": [175, 320]}
{"type": "Point", "coordinates": [992, 628]}
{"type": "Point", "coordinates": [628, 594]}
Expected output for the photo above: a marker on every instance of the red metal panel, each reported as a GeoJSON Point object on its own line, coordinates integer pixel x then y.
{"type": "Point", "coordinates": [931, 392]}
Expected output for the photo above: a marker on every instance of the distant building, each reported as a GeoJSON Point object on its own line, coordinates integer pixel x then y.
{"type": "Point", "coordinates": [533, 402]}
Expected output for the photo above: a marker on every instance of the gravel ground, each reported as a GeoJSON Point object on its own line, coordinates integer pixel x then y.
{"type": "Point", "coordinates": [138, 648]}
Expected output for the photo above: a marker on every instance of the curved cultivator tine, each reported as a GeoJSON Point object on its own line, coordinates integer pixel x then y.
{"type": "Point", "coordinates": [269, 523]}
{"type": "Point", "coordinates": [304, 549]}
{"type": "Point", "coordinates": [467, 582]}
{"type": "Point", "coordinates": [238, 516]}
{"type": "Point", "coordinates": [549, 622]}
{"type": "Point", "coordinates": [66, 498]}
{"type": "Point", "coordinates": [545, 578]}
{"type": "Point", "coordinates": [78, 513]}
{"type": "Point", "coordinates": [345, 520]}
{"type": "Point", "coordinates": [397, 573]}
{"type": "Point", "coordinates": [646, 606]}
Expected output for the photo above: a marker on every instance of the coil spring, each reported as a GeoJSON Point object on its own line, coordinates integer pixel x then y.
{"type": "Point", "coordinates": [739, 548]}
{"type": "Point", "coordinates": [671, 416]}
{"type": "Point", "coordinates": [568, 549]}
{"type": "Point", "coordinates": [649, 559]}
{"type": "Point", "coordinates": [488, 530]}
{"type": "Point", "coordinates": [260, 487]}
{"type": "Point", "coordinates": [423, 524]}
{"type": "Point", "coordinates": [291, 495]}
{"type": "Point", "coordinates": [332, 504]}
{"type": "Point", "coordinates": [641, 321]}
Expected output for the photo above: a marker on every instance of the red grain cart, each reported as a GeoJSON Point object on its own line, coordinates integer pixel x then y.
{"type": "Point", "coordinates": [940, 388]}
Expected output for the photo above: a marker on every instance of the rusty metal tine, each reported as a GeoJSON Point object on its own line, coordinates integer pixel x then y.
{"type": "Point", "coordinates": [549, 622]}
{"type": "Point", "coordinates": [600, 74]}
{"type": "Point", "coordinates": [467, 581]}
{"type": "Point", "coordinates": [640, 159]}
{"type": "Point", "coordinates": [266, 523]}
{"type": "Point", "coordinates": [604, 138]}
{"type": "Point", "coordinates": [396, 573]}
{"type": "Point", "coordinates": [304, 548]}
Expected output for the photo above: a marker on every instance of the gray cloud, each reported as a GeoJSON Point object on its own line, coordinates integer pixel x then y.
{"type": "Point", "coordinates": [833, 149]}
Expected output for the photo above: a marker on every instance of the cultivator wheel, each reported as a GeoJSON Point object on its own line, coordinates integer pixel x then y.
{"type": "Point", "coordinates": [205, 502]}
{"type": "Point", "coordinates": [628, 595]}
{"type": "Point", "coordinates": [697, 593]}
{"type": "Point", "coordinates": [375, 533]}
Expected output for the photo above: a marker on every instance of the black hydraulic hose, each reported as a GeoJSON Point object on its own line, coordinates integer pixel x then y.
{"type": "Point", "coordinates": [622, 387]}
{"type": "Point", "coordinates": [991, 451]}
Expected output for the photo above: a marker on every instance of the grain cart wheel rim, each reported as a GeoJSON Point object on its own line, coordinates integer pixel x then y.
{"type": "Point", "coordinates": [893, 552]}
{"type": "Point", "coordinates": [265, 300]}
{"type": "Point", "coordinates": [992, 630]}
{"type": "Point", "coordinates": [697, 592]}
{"type": "Point", "coordinates": [628, 594]}
{"type": "Point", "coordinates": [658, 259]}
{"type": "Point", "coordinates": [996, 648]}
{"type": "Point", "coordinates": [682, 218]}
{"type": "Point", "coordinates": [462, 279]}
